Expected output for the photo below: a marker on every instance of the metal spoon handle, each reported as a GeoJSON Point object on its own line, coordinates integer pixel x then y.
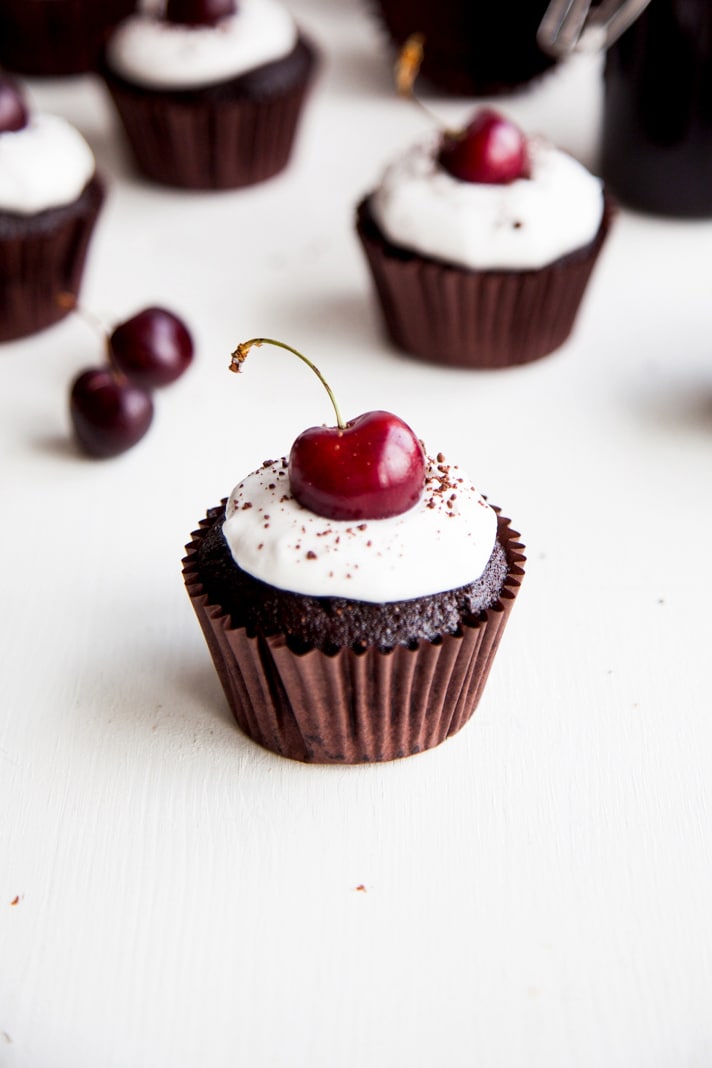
{"type": "Point", "coordinates": [574, 26]}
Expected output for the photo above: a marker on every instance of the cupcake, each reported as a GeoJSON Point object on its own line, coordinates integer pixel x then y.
{"type": "Point", "coordinates": [472, 49]}
{"type": "Point", "coordinates": [50, 38]}
{"type": "Point", "coordinates": [209, 92]}
{"type": "Point", "coordinates": [353, 595]}
{"type": "Point", "coordinates": [50, 196]}
{"type": "Point", "coordinates": [481, 244]}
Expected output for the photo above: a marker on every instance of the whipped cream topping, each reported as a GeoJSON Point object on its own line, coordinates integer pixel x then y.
{"type": "Point", "coordinates": [46, 164]}
{"type": "Point", "coordinates": [157, 54]}
{"type": "Point", "coordinates": [443, 542]}
{"type": "Point", "coordinates": [525, 224]}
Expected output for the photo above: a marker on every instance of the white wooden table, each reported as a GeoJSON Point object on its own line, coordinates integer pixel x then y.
{"type": "Point", "coordinates": [534, 893]}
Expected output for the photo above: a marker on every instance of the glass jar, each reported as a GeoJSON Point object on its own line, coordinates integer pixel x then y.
{"type": "Point", "coordinates": [657, 110]}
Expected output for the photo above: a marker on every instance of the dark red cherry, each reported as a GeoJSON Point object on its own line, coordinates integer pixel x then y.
{"type": "Point", "coordinates": [490, 150]}
{"type": "Point", "coordinates": [13, 113]}
{"type": "Point", "coordinates": [153, 348]}
{"type": "Point", "coordinates": [199, 12]}
{"type": "Point", "coordinates": [108, 413]}
{"type": "Point", "coordinates": [373, 468]}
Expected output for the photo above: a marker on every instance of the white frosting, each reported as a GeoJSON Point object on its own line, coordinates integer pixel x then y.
{"type": "Point", "coordinates": [441, 543]}
{"type": "Point", "coordinates": [158, 54]}
{"type": "Point", "coordinates": [527, 223]}
{"type": "Point", "coordinates": [44, 165]}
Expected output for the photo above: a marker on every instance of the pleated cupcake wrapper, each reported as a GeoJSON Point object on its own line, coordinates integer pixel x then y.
{"type": "Point", "coordinates": [477, 319]}
{"type": "Point", "coordinates": [43, 259]}
{"type": "Point", "coordinates": [52, 38]}
{"type": "Point", "coordinates": [353, 707]}
{"type": "Point", "coordinates": [209, 142]}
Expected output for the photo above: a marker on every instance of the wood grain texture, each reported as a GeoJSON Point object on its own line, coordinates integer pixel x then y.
{"type": "Point", "coordinates": [535, 891]}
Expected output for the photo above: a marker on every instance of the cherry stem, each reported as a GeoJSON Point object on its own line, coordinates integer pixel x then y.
{"type": "Point", "coordinates": [242, 351]}
{"type": "Point", "coordinates": [69, 302]}
{"type": "Point", "coordinates": [407, 67]}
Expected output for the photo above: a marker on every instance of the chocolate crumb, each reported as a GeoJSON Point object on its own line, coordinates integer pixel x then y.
{"type": "Point", "coordinates": [361, 888]}
{"type": "Point", "coordinates": [517, 224]}
{"type": "Point", "coordinates": [246, 505]}
{"type": "Point", "coordinates": [15, 900]}
{"type": "Point", "coordinates": [311, 555]}
{"type": "Point", "coordinates": [271, 486]}
{"type": "Point", "coordinates": [261, 545]}
{"type": "Point", "coordinates": [268, 463]}
{"type": "Point", "coordinates": [362, 526]}
{"type": "Point", "coordinates": [440, 458]}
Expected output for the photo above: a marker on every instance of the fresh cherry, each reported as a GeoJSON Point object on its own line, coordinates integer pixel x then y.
{"type": "Point", "coordinates": [199, 12]}
{"type": "Point", "coordinates": [153, 348]}
{"type": "Point", "coordinates": [13, 113]}
{"type": "Point", "coordinates": [490, 150]}
{"type": "Point", "coordinates": [109, 414]}
{"type": "Point", "coordinates": [372, 467]}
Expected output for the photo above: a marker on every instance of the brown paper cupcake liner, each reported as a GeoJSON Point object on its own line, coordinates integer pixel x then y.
{"type": "Point", "coordinates": [52, 38]}
{"type": "Point", "coordinates": [353, 707]}
{"type": "Point", "coordinates": [42, 256]}
{"type": "Point", "coordinates": [221, 137]}
{"type": "Point", "coordinates": [478, 319]}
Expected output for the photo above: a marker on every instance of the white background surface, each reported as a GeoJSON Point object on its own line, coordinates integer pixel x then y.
{"type": "Point", "coordinates": [537, 891]}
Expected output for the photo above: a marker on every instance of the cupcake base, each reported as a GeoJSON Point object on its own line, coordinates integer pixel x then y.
{"type": "Point", "coordinates": [353, 707]}
{"type": "Point", "coordinates": [456, 317]}
{"type": "Point", "coordinates": [42, 256]}
{"type": "Point", "coordinates": [223, 136]}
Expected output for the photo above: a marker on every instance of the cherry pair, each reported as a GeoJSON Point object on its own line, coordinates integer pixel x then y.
{"type": "Point", "coordinates": [111, 407]}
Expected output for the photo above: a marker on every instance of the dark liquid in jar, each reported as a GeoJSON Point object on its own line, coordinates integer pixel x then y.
{"type": "Point", "coordinates": [657, 121]}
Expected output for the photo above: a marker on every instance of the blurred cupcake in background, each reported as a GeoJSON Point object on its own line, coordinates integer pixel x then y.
{"type": "Point", "coordinates": [472, 49]}
{"type": "Point", "coordinates": [50, 197]}
{"type": "Point", "coordinates": [53, 38]}
{"type": "Point", "coordinates": [481, 240]}
{"type": "Point", "coordinates": [209, 92]}
{"type": "Point", "coordinates": [481, 244]}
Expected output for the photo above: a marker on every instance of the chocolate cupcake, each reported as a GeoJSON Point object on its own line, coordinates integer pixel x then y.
{"type": "Point", "coordinates": [472, 49]}
{"type": "Point", "coordinates": [50, 197]}
{"type": "Point", "coordinates": [364, 631]}
{"type": "Point", "coordinates": [481, 245]}
{"type": "Point", "coordinates": [210, 93]}
{"type": "Point", "coordinates": [51, 38]}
